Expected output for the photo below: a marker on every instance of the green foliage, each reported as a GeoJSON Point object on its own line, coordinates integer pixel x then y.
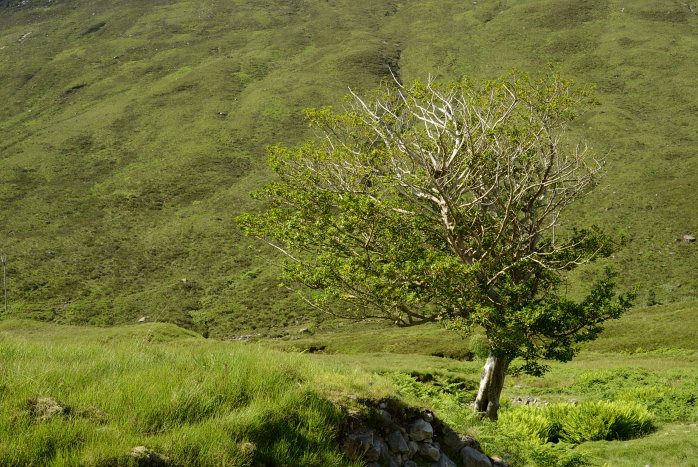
{"type": "Point", "coordinates": [671, 397]}
{"type": "Point", "coordinates": [480, 346]}
{"type": "Point", "coordinates": [592, 421]}
{"type": "Point", "coordinates": [587, 421]}
{"type": "Point", "coordinates": [394, 215]}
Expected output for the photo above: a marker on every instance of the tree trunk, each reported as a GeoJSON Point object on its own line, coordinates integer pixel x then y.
{"type": "Point", "coordinates": [491, 383]}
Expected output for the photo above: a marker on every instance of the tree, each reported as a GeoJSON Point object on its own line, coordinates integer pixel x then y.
{"type": "Point", "coordinates": [440, 202]}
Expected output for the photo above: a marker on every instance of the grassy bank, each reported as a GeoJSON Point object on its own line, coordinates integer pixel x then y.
{"type": "Point", "coordinates": [77, 396]}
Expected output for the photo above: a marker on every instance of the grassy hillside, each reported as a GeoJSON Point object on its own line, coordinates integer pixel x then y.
{"type": "Point", "coordinates": [132, 132]}
{"type": "Point", "coordinates": [86, 396]}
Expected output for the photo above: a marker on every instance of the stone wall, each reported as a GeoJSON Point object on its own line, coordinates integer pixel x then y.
{"type": "Point", "coordinates": [412, 440]}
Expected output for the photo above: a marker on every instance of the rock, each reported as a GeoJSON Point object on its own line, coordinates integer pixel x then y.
{"type": "Point", "coordinates": [143, 319]}
{"type": "Point", "coordinates": [397, 442]}
{"type": "Point", "coordinates": [383, 405]}
{"type": "Point", "coordinates": [689, 238]}
{"type": "Point", "coordinates": [373, 453]}
{"type": "Point", "coordinates": [385, 416]}
{"type": "Point", "coordinates": [428, 417]}
{"type": "Point", "coordinates": [499, 462]}
{"type": "Point", "coordinates": [303, 331]}
{"type": "Point", "coordinates": [357, 444]}
{"type": "Point", "coordinates": [413, 447]}
{"type": "Point", "coordinates": [373, 464]}
{"type": "Point", "coordinates": [377, 448]}
{"type": "Point", "coordinates": [444, 461]}
{"type": "Point", "coordinates": [421, 430]}
{"type": "Point", "coordinates": [145, 457]}
{"type": "Point", "coordinates": [44, 408]}
{"type": "Point", "coordinates": [410, 463]}
{"type": "Point", "coordinates": [458, 441]}
{"type": "Point", "coordinates": [473, 458]}
{"type": "Point", "coordinates": [429, 451]}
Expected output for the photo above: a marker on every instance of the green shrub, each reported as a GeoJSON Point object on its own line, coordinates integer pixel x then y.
{"type": "Point", "coordinates": [529, 451]}
{"type": "Point", "coordinates": [671, 404]}
{"type": "Point", "coordinates": [594, 421]}
{"type": "Point", "coordinates": [541, 424]}
{"type": "Point", "coordinates": [588, 421]}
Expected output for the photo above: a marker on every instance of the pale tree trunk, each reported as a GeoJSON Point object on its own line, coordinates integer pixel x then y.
{"type": "Point", "coordinates": [491, 383]}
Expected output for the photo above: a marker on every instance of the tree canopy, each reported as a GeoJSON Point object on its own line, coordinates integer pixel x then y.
{"type": "Point", "coordinates": [442, 202]}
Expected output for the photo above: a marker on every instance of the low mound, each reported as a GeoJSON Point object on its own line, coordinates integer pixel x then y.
{"type": "Point", "coordinates": [86, 396]}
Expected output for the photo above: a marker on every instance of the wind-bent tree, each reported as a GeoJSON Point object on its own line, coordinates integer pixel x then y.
{"type": "Point", "coordinates": [439, 202]}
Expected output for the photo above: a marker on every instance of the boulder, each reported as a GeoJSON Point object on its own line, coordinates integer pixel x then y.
{"type": "Point", "coordinates": [357, 444]}
{"type": "Point", "coordinates": [379, 450]}
{"type": "Point", "coordinates": [473, 458]}
{"type": "Point", "coordinates": [384, 415]}
{"type": "Point", "coordinates": [429, 451]}
{"type": "Point", "coordinates": [421, 430]}
{"type": "Point", "coordinates": [413, 447]}
{"type": "Point", "coordinates": [397, 442]}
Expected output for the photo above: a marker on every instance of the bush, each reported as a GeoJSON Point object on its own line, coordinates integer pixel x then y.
{"type": "Point", "coordinates": [588, 421]}
{"type": "Point", "coordinates": [669, 404]}
{"type": "Point", "coordinates": [602, 420]}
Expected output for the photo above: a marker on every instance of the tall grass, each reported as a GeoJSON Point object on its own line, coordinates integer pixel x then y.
{"type": "Point", "coordinates": [197, 402]}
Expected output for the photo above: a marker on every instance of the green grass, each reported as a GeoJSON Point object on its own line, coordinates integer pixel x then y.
{"type": "Point", "coordinates": [672, 445]}
{"type": "Point", "coordinates": [125, 177]}
{"type": "Point", "coordinates": [646, 359]}
{"type": "Point", "coordinates": [198, 402]}
{"type": "Point", "coordinates": [656, 329]}
{"type": "Point", "coordinates": [202, 401]}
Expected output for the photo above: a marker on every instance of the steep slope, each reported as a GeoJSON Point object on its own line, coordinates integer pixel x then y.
{"type": "Point", "coordinates": [132, 132]}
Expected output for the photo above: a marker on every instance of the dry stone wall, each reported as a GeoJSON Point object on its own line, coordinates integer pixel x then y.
{"type": "Point", "coordinates": [414, 441]}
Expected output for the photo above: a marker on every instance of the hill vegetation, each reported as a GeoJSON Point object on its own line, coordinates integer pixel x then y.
{"type": "Point", "coordinates": [130, 136]}
{"type": "Point", "coordinates": [132, 133]}
{"type": "Point", "coordinates": [87, 396]}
